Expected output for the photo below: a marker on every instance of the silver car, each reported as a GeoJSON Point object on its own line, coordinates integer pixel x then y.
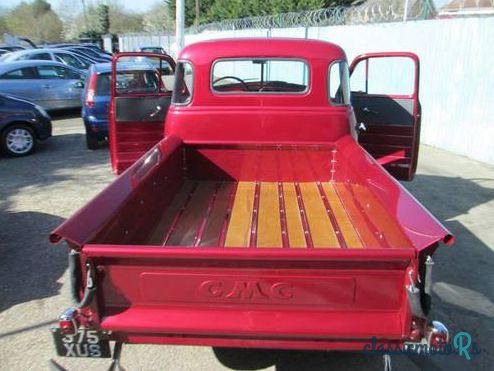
{"type": "Point", "coordinates": [51, 85]}
{"type": "Point", "coordinates": [49, 54]}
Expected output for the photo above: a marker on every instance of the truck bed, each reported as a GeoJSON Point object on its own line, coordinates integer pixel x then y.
{"type": "Point", "coordinates": [276, 214]}
{"type": "Point", "coordinates": [258, 196]}
{"type": "Point", "coordinates": [294, 246]}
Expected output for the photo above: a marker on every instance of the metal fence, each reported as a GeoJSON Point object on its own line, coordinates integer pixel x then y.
{"type": "Point", "coordinates": [372, 11]}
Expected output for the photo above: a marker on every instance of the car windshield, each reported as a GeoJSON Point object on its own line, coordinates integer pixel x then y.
{"type": "Point", "coordinates": [260, 76]}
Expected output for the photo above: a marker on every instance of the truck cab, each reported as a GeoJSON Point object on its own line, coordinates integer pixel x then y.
{"type": "Point", "coordinates": [259, 220]}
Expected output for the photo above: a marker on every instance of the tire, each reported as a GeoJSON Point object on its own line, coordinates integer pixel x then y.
{"type": "Point", "coordinates": [92, 141]}
{"type": "Point", "coordinates": [18, 140]}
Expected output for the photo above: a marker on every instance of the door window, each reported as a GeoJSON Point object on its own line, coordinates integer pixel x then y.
{"type": "Point", "coordinates": [56, 72]}
{"type": "Point", "coordinates": [69, 60]}
{"type": "Point", "coordinates": [20, 74]}
{"type": "Point", "coordinates": [392, 76]}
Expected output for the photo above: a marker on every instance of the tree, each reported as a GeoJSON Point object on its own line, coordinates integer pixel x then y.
{"type": "Point", "coordinates": [104, 18]}
{"type": "Point", "coordinates": [190, 10]}
{"type": "Point", "coordinates": [158, 19]}
{"type": "Point", "coordinates": [35, 20]}
{"type": "Point", "coordinates": [218, 10]}
{"type": "Point", "coordinates": [3, 25]}
{"type": "Point", "coordinates": [119, 21]}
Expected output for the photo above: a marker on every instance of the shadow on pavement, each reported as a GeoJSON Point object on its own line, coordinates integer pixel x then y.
{"type": "Point", "coordinates": [291, 360]}
{"type": "Point", "coordinates": [463, 279]}
{"type": "Point", "coordinates": [65, 114]}
{"type": "Point", "coordinates": [29, 265]}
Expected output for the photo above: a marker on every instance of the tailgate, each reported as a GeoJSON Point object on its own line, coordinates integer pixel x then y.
{"type": "Point", "coordinates": [252, 293]}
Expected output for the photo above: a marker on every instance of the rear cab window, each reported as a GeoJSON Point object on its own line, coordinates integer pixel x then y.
{"type": "Point", "coordinates": [259, 76]}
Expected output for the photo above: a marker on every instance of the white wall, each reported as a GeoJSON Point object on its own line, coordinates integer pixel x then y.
{"type": "Point", "coordinates": [457, 71]}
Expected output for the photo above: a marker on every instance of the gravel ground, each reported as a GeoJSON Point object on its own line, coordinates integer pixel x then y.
{"type": "Point", "coordinates": [38, 192]}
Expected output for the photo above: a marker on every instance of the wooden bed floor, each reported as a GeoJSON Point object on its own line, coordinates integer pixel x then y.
{"type": "Point", "coordinates": [277, 214]}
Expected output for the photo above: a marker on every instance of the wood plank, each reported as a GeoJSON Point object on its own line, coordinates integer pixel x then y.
{"type": "Point", "coordinates": [269, 224]}
{"type": "Point", "coordinates": [359, 223]}
{"type": "Point", "coordinates": [218, 215]}
{"type": "Point", "coordinates": [347, 229]}
{"type": "Point", "coordinates": [238, 234]}
{"type": "Point", "coordinates": [296, 236]}
{"type": "Point", "coordinates": [384, 221]}
{"type": "Point", "coordinates": [178, 200]}
{"type": "Point", "coordinates": [192, 216]}
{"type": "Point", "coordinates": [321, 229]}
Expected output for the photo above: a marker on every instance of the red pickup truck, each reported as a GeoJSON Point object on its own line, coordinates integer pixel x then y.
{"type": "Point", "coordinates": [267, 216]}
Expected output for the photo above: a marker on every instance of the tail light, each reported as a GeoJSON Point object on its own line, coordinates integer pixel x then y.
{"type": "Point", "coordinates": [66, 327]}
{"type": "Point", "coordinates": [67, 322]}
{"type": "Point", "coordinates": [437, 334]}
{"type": "Point", "coordinates": [91, 90]}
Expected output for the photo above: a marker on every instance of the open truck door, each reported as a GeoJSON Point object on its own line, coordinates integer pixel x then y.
{"type": "Point", "coordinates": [141, 89]}
{"type": "Point", "coordinates": [385, 97]}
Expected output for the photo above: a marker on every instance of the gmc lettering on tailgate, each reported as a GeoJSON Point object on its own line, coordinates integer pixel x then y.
{"type": "Point", "coordinates": [246, 290]}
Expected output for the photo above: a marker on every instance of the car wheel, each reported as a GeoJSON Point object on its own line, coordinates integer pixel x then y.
{"type": "Point", "coordinates": [18, 140]}
{"type": "Point", "coordinates": [92, 141]}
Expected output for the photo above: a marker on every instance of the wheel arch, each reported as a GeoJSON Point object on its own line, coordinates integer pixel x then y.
{"type": "Point", "coordinates": [19, 122]}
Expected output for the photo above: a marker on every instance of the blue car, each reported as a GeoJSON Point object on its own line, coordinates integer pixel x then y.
{"type": "Point", "coordinates": [58, 55]}
{"type": "Point", "coordinates": [22, 124]}
{"type": "Point", "coordinates": [137, 76]}
{"type": "Point", "coordinates": [52, 85]}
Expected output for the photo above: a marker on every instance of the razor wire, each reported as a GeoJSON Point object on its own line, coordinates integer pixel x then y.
{"type": "Point", "coordinates": [373, 11]}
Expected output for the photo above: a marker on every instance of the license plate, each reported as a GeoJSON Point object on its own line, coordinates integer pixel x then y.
{"type": "Point", "coordinates": [85, 343]}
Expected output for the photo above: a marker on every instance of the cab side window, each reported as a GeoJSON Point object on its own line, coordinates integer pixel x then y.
{"type": "Point", "coordinates": [56, 72]}
{"type": "Point", "coordinates": [339, 83]}
{"type": "Point", "coordinates": [19, 74]}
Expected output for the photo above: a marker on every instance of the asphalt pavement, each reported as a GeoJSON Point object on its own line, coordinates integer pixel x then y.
{"type": "Point", "coordinates": [38, 192]}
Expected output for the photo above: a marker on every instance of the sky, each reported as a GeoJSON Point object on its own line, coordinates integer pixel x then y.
{"type": "Point", "coordinates": [131, 5]}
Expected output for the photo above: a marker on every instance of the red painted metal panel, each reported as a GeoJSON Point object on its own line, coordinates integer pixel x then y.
{"type": "Point", "coordinates": [96, 214]}
{"type": "Point", "coordinates": [292, 324]}
{"type": "Point", "coordinates": [250, 287]}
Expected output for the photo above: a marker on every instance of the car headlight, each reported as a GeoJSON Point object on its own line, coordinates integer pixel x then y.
{"type": "Point", "coordinates": [42, 111]}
